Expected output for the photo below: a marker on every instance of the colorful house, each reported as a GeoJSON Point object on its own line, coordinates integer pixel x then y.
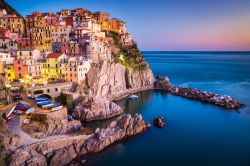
{"type": "Point", "coordinates": [26, 64]}
{"type": "Point", "coordinates": [77, 68]}
{"type": "Point", "coordinates": [9, 72]}
{"type": "Point", "coordinates": [53, 62]}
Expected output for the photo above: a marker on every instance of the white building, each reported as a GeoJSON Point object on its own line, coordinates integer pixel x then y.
{"type": "Point", "coordinates": [7, 45]}
{"type": "Point", "coordinates": [28, 53]}
{"type": "Point", "coordinates": [77, 68]}
{"type": "Point", "coordinates": [6, 58]}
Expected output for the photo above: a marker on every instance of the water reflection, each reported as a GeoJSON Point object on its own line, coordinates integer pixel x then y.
{"type": "Point", "coordinates": [130, 107]}
{"type": "Point", "coordinates": [113, 150]}
{"type": "Point", "coordinates": [133, 106]}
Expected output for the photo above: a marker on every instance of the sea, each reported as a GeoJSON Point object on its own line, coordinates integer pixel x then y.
{"type": "Point", "coordinates": [196, 134]}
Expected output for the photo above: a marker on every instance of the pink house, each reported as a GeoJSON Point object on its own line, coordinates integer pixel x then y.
{"type": "Point", "coordinates": [51, 21]}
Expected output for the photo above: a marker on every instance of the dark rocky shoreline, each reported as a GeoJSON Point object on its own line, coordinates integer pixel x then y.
{"type": "Point", "coordinates": [63, 151]}
{"type": "Point", "coordinates": [207, 97]}
{"type": "Point", "coordinates": [191, 93]}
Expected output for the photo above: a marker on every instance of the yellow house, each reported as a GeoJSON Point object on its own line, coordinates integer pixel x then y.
{"type": "Point", "coordinates": [66, 12]}
{"type": "Point", "coordinates": [9, 73]}
{"type": "Point", "coordinates": [105, 25]}
{"type": "Point", "coordinates": [53, 67]}
{"type": "Point", "coordinates": [41, 38]}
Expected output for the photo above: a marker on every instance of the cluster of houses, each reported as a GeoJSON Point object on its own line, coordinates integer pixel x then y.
{"type": "Point", "coordinates": [58, 45]}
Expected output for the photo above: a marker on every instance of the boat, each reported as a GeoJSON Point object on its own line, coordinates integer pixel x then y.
{"type": "Point", "coordinates": [42, 99]}
{"type": "Point", "coordinates": [133, 97]}
{"type": "Point", "coordinates": [21, 108]}
{"type": "Point", "coordinates": [26, 121]}
{"type": "Point", "coordinates": [40, 104]}
{"type": "Point", "coordinates": [56, 108]}
{"type": "Point", "coordinates": [29, 110]}
{"type": "Point", "coordinates": [54, 105]}
{"type": "Point", "coordinates": [11, 111]}
{"type": "Point", "coordinates": [47, 106]}
{"type": "Point", "coordinates": [30, 96]}
{"type": "Point", "coordinates": [18, 112]}
{"type": "Point", "coordinates": [9, 118]}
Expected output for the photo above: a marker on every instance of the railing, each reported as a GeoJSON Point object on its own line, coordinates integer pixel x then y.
{"type": "Point", "coordinates": [50, 86]}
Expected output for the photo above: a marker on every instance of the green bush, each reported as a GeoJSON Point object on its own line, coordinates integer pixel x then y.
{"type": "Point", "coordinates": [131, 56]}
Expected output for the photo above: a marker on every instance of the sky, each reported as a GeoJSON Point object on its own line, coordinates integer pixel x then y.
{"type": "Point", "coordinates": [168, 25]}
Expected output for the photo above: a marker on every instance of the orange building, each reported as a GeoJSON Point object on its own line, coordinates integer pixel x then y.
{"type": "Point", "coordinates": [17, 25]}
{"type": "Point", "coordinates": [101, 16]}
{"type": "Point", "coordinates": [21, 70]}
{"type": "Point", "coordinates": [13, 23]}
{"type": "Point", "coordinates": [26, 65]}
{"type": "Point", "coordinates": [35, 20]}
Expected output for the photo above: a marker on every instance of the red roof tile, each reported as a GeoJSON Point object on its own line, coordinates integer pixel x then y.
{"type": "Point", "coordinates": [54, 55]}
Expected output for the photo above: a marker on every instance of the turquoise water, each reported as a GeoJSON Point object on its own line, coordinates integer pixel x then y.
{"type": "Point", "coordinates": [196, 133]}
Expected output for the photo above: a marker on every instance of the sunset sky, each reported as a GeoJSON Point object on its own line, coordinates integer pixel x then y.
{"type": "Point", "coordinates": [165, 24]}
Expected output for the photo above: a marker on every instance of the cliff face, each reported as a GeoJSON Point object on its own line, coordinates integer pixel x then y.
{"type": "Point", "coordinates": [8, 142]}
{"type": "Point", "coordinates": [125, 70]}
{"type": "Point", "coordinates": [112, 78]}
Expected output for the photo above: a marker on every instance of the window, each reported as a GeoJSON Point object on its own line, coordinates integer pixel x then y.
{"type": "Point", "coordinates": [56, 89]}
{"type": "Point", "coordinates": [48, 90]}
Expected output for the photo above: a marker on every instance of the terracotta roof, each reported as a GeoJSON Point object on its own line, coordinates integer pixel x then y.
{"type": "Point", "coordinates": [54, 55]}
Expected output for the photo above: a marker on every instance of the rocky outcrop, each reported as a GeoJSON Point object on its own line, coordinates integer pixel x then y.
{"type": "Point", "coordinates": [64, 150]}
{"type": "Point", "coordinates": [90, 109]}
{"type": "Point", "coordinates": [108, 78]}
{"type": "Point", "coordinates": [162, 83]}
{"type": "Point", "coordinates": [8, 141]}
{"type": "Point", "coordinates": [56, 123]}
{"type": "Point", "coordinates": [159, 122]}
{"type": "Point", "coordinates": [208, 97]}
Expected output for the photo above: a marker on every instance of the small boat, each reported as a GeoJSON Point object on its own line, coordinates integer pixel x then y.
{"type": "Point", "coordinates": [47, 106]}
{"type": "Point", "coordinates": [55, 105]}
{"type": "Point", "coordinates": [21, 108]}
{"type": "Point", "coordinates": [43, 103]}
{"type": "Point", "coordinates": [42, 99]}
{"type": "Point", "coordinates": [9, 118]}
{"type": "Point", "coordinates": [29, 110]}
{"type": "Point", "coordinates": [18, 112]}
{"type": "Point", "coordinates": [133, 97]}
{"type": "Point", "coordinates": [11, 111]}
{"type": "Point", "coordinates": [57, 108]}
{"type": "Point", "coordinates": [30, 96]}
{"type": "Point", "coordinates": [26, 121]}
{"type": "Point", "coordinates": [16, 94]}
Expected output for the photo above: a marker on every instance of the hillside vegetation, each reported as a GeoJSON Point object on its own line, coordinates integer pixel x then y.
{"type": "Point", "coordinates": [8, 8]}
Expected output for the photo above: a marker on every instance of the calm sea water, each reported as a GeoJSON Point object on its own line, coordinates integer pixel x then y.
{"type": "Point", "coordinates": [196, 133]}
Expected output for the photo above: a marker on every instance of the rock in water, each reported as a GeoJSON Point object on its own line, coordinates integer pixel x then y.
{"type": "Point", "coordinates": [159, 122]}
